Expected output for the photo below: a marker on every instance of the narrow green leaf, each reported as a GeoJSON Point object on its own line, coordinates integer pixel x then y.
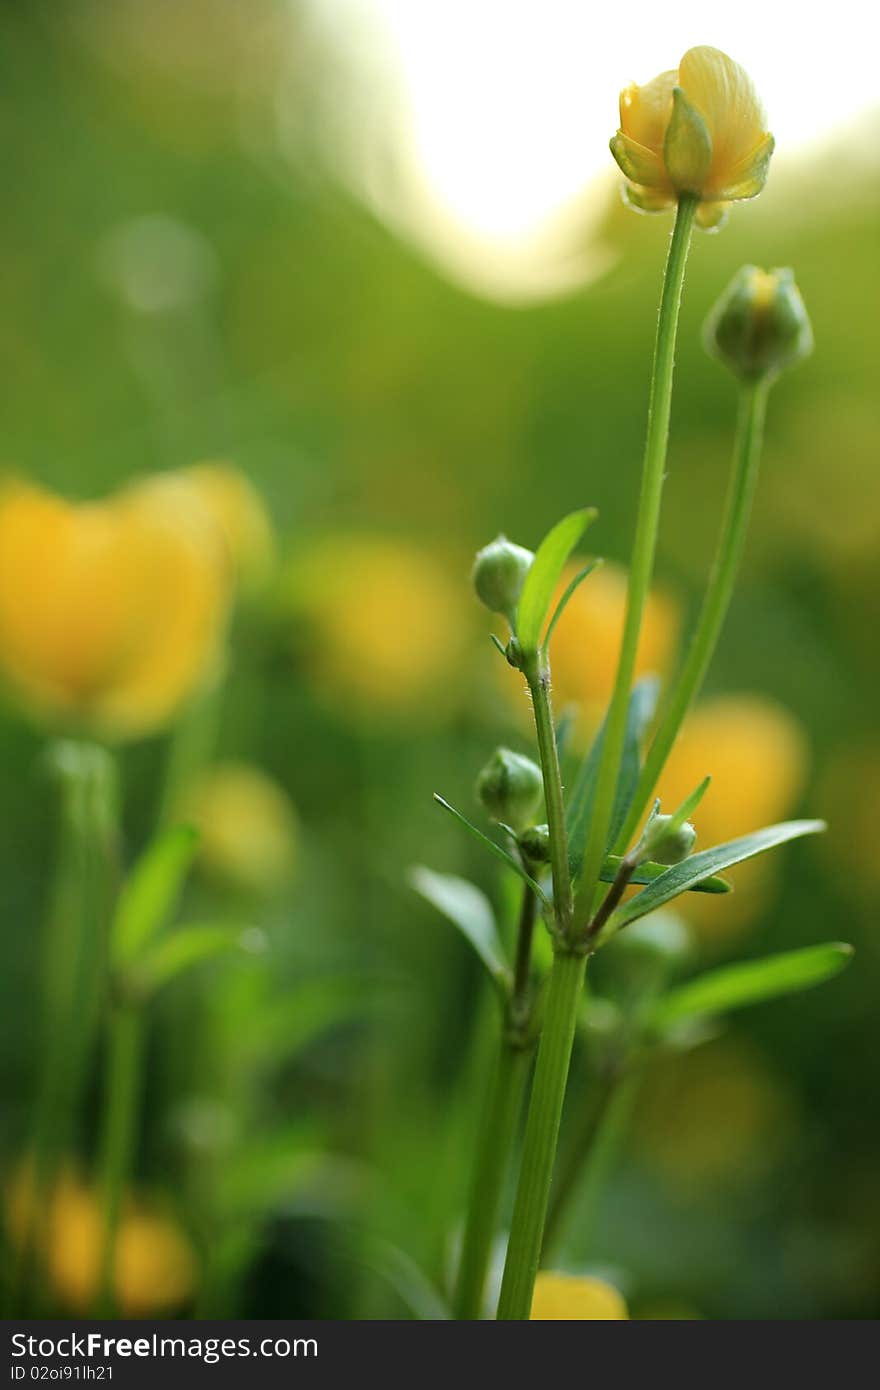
{"type": "Point", "coordinates": [693, 870]}
{"type": "Point", "coordinates": [469, 910]}
{"type": "Point", "coordinates": [150, 892]}
{"type": "Point", "coordinates": [642, 703]}
{"type": "Point", "coordinates": [496, 849]}
{"type": "Point", "coordinates": [688, 806]}
{"type": "Point", "coordinates": [648, 872]}
{"type": "Point", "coordinates": [189, 946]}
{"type": "Point", "coordinates": [542, 578]}
{"type": "Point", "coordinates": [750, 982]}
{"type": "Point", "coordinates": [563, 602]}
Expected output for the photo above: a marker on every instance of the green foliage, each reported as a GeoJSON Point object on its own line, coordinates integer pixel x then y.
{"type": "Point", "coordinates": [151, 891]}
{"type": "Point", "coordinates": [469, 910]}
{"type": "Point", "coordinates": [543, 577]}
{"type": "Point", "coordinates": [750, 982]}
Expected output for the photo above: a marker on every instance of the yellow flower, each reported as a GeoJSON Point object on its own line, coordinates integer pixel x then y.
{"type": "Point", "coordinates": [247, 825]}
{"type": "Point", "coordinates": [756, 754]}
{"type": "Point", "coordinates": [567, 1298]}
{"type": "Point", "coordinates": [699, 130]}
{"type": "Point", "coordinates": [236, 509]}
{"type": "Point", "coordinates": [112, 612]}
{"type": "Point", "coordinates": [382, 624]}
{"type": "Point", "coordinates": [154, 1266]}
{"type": "Point", "coordinates": [586, 643]}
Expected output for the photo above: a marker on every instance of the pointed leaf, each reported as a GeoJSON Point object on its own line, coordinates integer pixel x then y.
{"type": "Point", "coordinates": [642, 703]}
{"type": "Point", "coordinates": [543, 577]}
{"type": "Point", "coordinates": [469, 910]}
{"type": "Point", "coordinates": [151, 891]}
{"type": "Point", "coordinates": [563, 602]}
{"type": "Point", "coordinates": [649, 871]}
{"type": "Point", "coordinates": [750, 982]}
{"type": "Point", "coordinates": [495, 849]}
{"type": "Point", "coordinates": [697, 867]}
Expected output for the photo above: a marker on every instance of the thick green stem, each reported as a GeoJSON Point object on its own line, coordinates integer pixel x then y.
{"type": "Point", "coordinates": [741, 490]}
{"type": "Point", "coordinates": [537, 674]}
{"type": "Point", "coordinates": [488, 1180]}
{"type": "Point", "coordinates": [499, 1126]}
{"type": "Point", "coordinates": [644, 546]}
{"type": "Point", "coordinates": [124, 1064]}
{"type": "Point", "coordinates": [75, 976]}
{"type": "Point", "coordinates": [542, 1132]}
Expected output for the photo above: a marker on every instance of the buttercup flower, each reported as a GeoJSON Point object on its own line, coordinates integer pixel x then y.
{"type": "Point", "coordinates": [699, 130]}
{"type": "Point", "coordinates": [111, 612]}
{"type": "Point", "coordinates": [154, 1267]}
{"type": "Point", "coordinates": [247, 827]}
{"type": "Point", "coordinates": [568, 1298]}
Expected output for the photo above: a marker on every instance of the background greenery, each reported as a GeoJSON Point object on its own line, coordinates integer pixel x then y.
{"type": "Point", "coordinates": [271, 320]}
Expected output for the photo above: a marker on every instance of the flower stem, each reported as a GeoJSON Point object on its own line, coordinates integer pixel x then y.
{"type": "Point", "coordinates": [124, 1063]}
{"type": "Point", "coordinates": [537, 674]}
{"type": "Point", "coordinates": [741, 490]}
{"type": "Point", "coordinates": [504, 1105]}
{"type": "Point", "coordinates": [644, 546]}
{"type": "Point", "coordinates": [75, 976]}
{"type": "Point", "coordinates": [542, 1132]}
{"type": "Point", "coordinates": [576, 1154]}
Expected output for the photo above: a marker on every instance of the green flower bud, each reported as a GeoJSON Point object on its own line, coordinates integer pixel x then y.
{"type": "Point", "coordinates": [665, 846]}
{"type": "Point", "coordinates": [510, 788]}
{"type": "Point", "coordinates": [759, 325]}
{"type": "Point", "coordinates": [498, 575]}
{"type": "Point", "coordinates": [535, 844]}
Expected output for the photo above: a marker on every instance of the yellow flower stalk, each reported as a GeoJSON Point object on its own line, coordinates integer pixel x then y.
{"type": "Point", "coordinates": [111, 612]}
{"type": "Point", "coordinates": [569, 1298]}
{"type": "Point", "coordinates": [699, 130]}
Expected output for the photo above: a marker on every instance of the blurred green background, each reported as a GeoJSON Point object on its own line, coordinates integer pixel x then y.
{"type": "Point", "coordinates": [185, 275]}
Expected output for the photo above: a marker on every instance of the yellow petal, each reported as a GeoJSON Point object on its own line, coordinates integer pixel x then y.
{"type": "Point", "coordinates": [645, 111]}
{"type": "Point", "coordinates": [638, 163]}
{"type": "Point", "coordinates": [647, 199]}
{"type": "Point", "coordinates": [723, 92]}
{"type": "Point", "coordinates": [566, 1298]}
{"type": "Point", "coordinates": [746, 178]}
{"type": "Point", "coordinates": [712, 216]}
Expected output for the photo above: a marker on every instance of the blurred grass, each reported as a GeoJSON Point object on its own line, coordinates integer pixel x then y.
{"type": "Point", "coordinates": [362, 392]}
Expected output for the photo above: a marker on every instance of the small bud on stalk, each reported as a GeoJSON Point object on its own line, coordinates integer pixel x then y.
{"type": "Point", "coordinates": [535, 844]}
{"type": "Point", "coordinates": [759, 325]}
{"type": "Point", "coordinates": [510, 788]}
{"type": "Point", "coordinates": [665, 845]}
{"type": "Point", "coordinates": [498, 575]}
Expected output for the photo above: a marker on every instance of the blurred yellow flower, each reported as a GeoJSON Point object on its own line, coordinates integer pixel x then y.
{"type": "Point", "coordinates": [237, 510]}
{"type": "Point", "coordinates": [567, 1297]}
{"type": "Point", "coordinates": [247, 825]}
{"type": "Point", "coordinates": [112, 612]}
{"type": "Point", "coordinates": [154, 1266]}
{"type": "Point", "coordinates": [757, 756]}
{"type": "Point", "coordinates": [586, 643]}
{"type": "Point", "coordinates": [383, 624]}
{"type": "Point", "coordinates": [714, 1115]}
{"type": "Point", "coordinates": [700, 130]}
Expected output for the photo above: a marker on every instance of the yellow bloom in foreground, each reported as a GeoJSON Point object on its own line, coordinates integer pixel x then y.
{"type": "Point", "coordinates": [757, 756]}
{"type": "Point", "coordinates": [234, 506]}
{"type": "Point", "coordinates": [566, 1297]}
{"type": "Point", "coordinates": [700, 130]}
{"type": "Point", "coordinates": [247, 827]}
{"type": "Point", "coordinates": [112, 612]}
{"type": "Point", "coordinates": [154, 1265]}
{"type": "Point", "coordinates": [586, 643]}
{"type": "Point", "coordinates": [382, 624]}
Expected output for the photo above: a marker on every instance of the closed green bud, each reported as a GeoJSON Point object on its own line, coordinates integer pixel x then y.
{"type": "Point", "coordinates": [759, 325]}
{"type": "Point", "coordinates": [663, 845]}
{"type": "Point", "coordinates": [510, 788]}
{"type": "Point", "coordinates": [535, 844]}
{"type": "Point", "coordinates": [499, 574]}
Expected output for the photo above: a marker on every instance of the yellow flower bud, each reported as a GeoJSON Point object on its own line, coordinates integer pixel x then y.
{"type": "Point", "coordinates": [698, 130]}
{"type": "Point", "coordinates": [569, 1298]}
{"type": "Point", "coordinates": [759, 325]}
{"type": "Point", "coordinates": [112, 612]}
